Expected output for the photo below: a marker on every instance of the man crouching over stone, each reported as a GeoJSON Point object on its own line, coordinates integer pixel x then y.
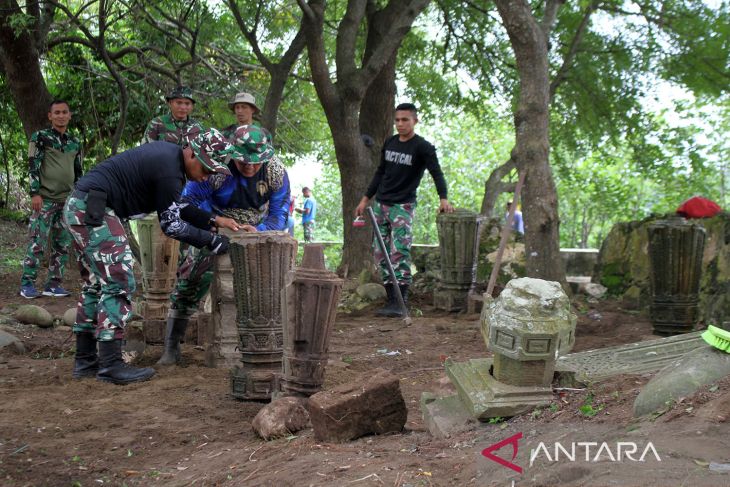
{"type": "Point", "coordinates": [129, 185]}
{"type": "Point", "coordinates": [255, 194]}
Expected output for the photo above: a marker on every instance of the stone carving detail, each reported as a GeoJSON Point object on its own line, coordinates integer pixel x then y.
{"type": "Point", "coordinates": [458, 245]}
{"type": "Point", "coordinates": [675, 256]}
{"type": "Point", "coordinates": [159, 255]}
{"type": "Point", "coordinates": [309, 307]}
{"type": "Point", "coordinates": [259, 264]}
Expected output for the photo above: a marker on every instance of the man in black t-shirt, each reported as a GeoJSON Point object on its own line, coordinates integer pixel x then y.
{"type": "Point", "coordinates": [404, 159]}
{"type": "Point", "coordinates": [129, 185]}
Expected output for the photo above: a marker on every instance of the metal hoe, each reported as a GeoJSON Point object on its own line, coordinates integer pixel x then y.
{"type": "Point", "coordinates": [396, 289]}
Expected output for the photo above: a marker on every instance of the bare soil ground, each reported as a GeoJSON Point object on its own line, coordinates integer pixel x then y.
{"type": "Point", "coordinates": [183, 427]}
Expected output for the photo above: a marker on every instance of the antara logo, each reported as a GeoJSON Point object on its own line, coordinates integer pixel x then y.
{"type": "Point", "coordinates": [622, 450]}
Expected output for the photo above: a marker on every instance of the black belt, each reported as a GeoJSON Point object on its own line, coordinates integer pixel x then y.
{"type": "Point", "coordinates": [79, 194]}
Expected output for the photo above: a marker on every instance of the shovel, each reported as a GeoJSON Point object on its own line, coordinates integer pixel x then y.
{"type": "Point", "coordinates": [407, 319]}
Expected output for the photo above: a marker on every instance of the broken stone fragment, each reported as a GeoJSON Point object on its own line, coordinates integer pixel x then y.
{"type": "Point", "coordinates": [282, 417]}
{"type": "Point", "coordinates": [33, 315]}
{"type": "Point", "coordinates": [369, 404]}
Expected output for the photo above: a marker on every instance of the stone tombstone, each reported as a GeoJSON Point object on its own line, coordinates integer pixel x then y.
{"type": "Point", "coordinates": [527, 327]}
{"type": "Point", "coordinates": [260, 262]}
{"type": "Point", "coordinates": [309, 308]}
{"type": "Point", "coordinates": [159, 255]}
{"type": "Point", "coordinates": [458, 245]}
{"type": "Point", "coordinates": [675, 257]}
{"type": "Point", "coordinates": [221, 349]}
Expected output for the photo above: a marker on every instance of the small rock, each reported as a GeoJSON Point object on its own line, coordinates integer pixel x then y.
{"type": "Point", "coordinates": [33, 315]}
{"type": "Point", "coordinates": [11, 342]}
{"type": "Point", "coordinates": [371, 291]}
{"type": "Point", "coordinates": [281, 417]}
{"type": "Point", "coordinates": [594, 315]}
{"type": "Point", "coordinates": [69, 317]}
{"type": "Point", "coordinates": [595, 290]}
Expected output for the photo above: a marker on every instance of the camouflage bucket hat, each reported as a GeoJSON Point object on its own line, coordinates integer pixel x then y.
{"type": "Point", "coordinates": [180, 92]}
{"type": "Point", "coordinates": [252, 144]}
{"type": "Point", "coordinates": [212, 150]}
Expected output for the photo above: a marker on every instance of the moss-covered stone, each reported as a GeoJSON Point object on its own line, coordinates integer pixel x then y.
{"type": "Point", "coordinates": [623, 265]}
{"type": "Point", "coordinates": [33, 315]}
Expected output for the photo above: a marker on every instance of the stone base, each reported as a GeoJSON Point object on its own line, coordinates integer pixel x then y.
{"type": "Point", "coordinates": [450, 299]}
{"type": "Point", "coordinates": [445, 416]}
{"type": "Point", "coordinates": [253, 386]}
{"type": "Point", "coordinates": [153, 309]}
{"type": "Point", "coordinates": [484, 397]}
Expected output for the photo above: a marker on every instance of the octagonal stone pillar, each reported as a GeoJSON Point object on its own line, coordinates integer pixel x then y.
{"type": "Point", "coordinates": [527, 328]}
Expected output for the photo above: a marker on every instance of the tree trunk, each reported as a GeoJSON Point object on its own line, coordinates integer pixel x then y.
{"type": "Point", "coordinates": [494, 186]}
{"type": "Point", "coordinates": [19, 58]}
{"type": "Point", "coordinates": [531, 151]}
{"type": "Point", "coordinates": [343, 102]}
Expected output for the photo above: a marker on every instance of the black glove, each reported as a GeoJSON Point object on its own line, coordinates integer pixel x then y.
{"type": "Point", "coordinates": [219, 244]}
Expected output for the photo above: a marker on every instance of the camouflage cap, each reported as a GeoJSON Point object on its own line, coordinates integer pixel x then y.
{"type": "Point", "coordinates": [253, 143]}
{"type": "Point", "coordinates": [212, 150]}
{"type": "Point", "coordinates": [180, 92]}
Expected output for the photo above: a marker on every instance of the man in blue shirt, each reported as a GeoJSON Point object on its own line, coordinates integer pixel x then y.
{"type": "Point", "coordinates": [517, 223]}
{"type": "Point", "coordinates": [255, 194]}
{"type": "Point", "coordinates": [309, 213]}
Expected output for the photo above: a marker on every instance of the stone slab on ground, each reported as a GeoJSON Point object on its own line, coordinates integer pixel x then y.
{"type": "Point", "coordinates": [281, 417]}
{"type": "Point", "coordinates": [369, 404]}
{"type": "Point", "coordinates": [634, 358]}
{"type": "Point", "coordinates": [682, 378]}
{"type": "Point", "coordinates": [10, 342]}
{"type": "Point", "coordinates": [485, 397]}
{"type": "Point", "coordinates": [33, 315]}
{"type": "Point", "coordinates": [445, 416]}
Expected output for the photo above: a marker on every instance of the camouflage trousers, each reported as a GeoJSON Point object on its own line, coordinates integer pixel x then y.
{"type": "Point", "coordinates": [395, 223]}
{"type": "Point", "coordinates": [105, 263]}
{"type": "Point", "coordinates": [308, 231]}
{"type": "Point", "coordinates": [194, 276]}
{"type": "Point", "coordinates": [46, 230]}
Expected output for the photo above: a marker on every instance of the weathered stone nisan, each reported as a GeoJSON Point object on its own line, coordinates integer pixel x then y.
{"type": "Point", "coordinates": [222, 347]}
{"type": "Point", "coordinates": [159, 255]}
{"type": "Point", "coordinates": [309, 309]}
{"type": "Point", "coordinates": [369, 404]}
{"type": "Point", "coordinates": [634, 358]}
{"type": "Point", "coordinates": [458, 245]}
{"type": "Point", "coordinates": [530, 323]}
{"type": "Point", "coordinates": [260, 262]}
{"type": "Point", "coordinates": [675, 254]}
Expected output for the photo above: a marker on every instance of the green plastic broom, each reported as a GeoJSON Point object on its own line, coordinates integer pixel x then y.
{"type": "Point", "coordinates": [718, 338]}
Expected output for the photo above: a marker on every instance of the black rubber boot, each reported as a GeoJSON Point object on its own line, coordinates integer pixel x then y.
{"type": "Point", "coordinates": [387, 310]}
{"type": "Point", "coordinates": [113, 369]}
{"type": "Point", "coordinates": [86, 363]}
{"type": "Point", "coordinates": [174, 334]}
{"type": "Point", "coordinates": [396, 311]}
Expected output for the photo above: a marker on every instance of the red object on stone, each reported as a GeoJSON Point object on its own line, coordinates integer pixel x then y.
{"type": "Point", "coordinates": [698, 207]}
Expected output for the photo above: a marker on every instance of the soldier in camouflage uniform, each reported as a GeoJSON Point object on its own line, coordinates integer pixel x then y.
{"type": "Point", "coordinates": [255, 194]}
{"type": "Point", "coordinates": [404, 159]}
{"type": "Point", "coordinates": [177, 126]}
{"type": "Point", "coordinates": [55, 164]}
{"type": "Point", "coordinates": [141, 180]}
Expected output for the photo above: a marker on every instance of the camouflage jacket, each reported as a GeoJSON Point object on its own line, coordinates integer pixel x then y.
{"type": "Point", "coordinates": [170, 130]}
{"type": "Point", "coordinates": [40, 143]}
